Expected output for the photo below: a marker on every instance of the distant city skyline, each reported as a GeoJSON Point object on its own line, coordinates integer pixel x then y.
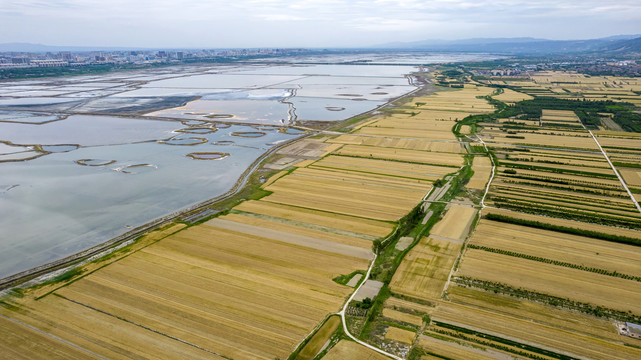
{"type": "Point", "coordinates": [313, 23]}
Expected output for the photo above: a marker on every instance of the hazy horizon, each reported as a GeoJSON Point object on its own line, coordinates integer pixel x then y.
{"type": "Point", "coordinates": [312, 24]}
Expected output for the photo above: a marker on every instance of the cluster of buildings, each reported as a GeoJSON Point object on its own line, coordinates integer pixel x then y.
{"type": "Point", "coordinates": [60, 59]}
{"type": "Point", "coordinates": [587, 66]}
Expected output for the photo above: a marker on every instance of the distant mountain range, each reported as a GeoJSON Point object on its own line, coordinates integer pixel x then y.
{"type": "Point", "coordinates": [524, 45]}
{"type": "Point", "coordinates": [519, 45]}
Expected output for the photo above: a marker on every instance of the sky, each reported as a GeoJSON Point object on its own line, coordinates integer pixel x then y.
{"type": "Point", "coordinates": [305, 23]}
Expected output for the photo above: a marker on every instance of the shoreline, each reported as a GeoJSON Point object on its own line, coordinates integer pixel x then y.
{"type": "Point", "coordinates": [112, 244]}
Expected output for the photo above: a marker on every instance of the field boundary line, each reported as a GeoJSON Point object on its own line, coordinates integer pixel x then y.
{"type": "Point", "coordinates": [616, 172]}
{"type": "Point", "coordinates": [53, 337]}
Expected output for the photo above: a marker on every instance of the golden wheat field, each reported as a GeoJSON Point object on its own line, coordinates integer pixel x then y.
{"type": "Point", "coordinates": [318, 239]}
{"type": "Point", "coordinates": [405, 155]}
{"type": "Point", "coordinates": [324, 219]}
{"type": "Point", "coordinates": [402, 317]}
{"type": "Point", "coordinates": [410, 144]}
{"type": "Point", "coordinates": [425, 269]}
{"type": "Point", "coordinates": [455, 224]}
{"type": "Point", "coordinates": [631, 176]}
{"type": "Point", "coordinates": [511, 96]}
{"type": "Point", "coordinates": [400, 335]}
{"type": "Point", "coordinates": [357, 177]}
{"type": "Point", "coordinates": [384, 167]}
{"type": "Point", "coordinates": [364, 199]}
{"type": "Point", "coordinates": [406, 133]}
{"type": "Point", "coordinates": [482, 168]}
{"type": "Point", "coordinates": [350, 350]}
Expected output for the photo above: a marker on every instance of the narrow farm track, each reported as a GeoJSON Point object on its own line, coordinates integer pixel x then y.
{"type": "Point", "coordinates": [344, 321]}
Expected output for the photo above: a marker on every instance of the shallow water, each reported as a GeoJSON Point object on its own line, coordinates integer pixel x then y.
{"type": "Point", "coordinates": [60, 207]}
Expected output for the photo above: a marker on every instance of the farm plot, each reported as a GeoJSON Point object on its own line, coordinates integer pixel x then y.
{"type": "Point", "coordinates": [528, 332]}
{"type": "Point", "coordinates": [324, 219]}
{"type": "Point", "coordinates": [350, 176]}
{"type": "Point", "coordinates": [631, 176]}
{"type": "Point", "coordinates": [482, 168]}
{"type": "Point", "coordinates": [425, 269]}
{"type": "Point", "coordinates": [455, 224]}
{"type": "Point", "coordinates": [384, 167]}
{"type": "Point", "coordinates": [405, 155]}
{"type": "Point", "coordinates": [346, 204]}
{"type": "Point", "coordinates": [400, 335]}
{"type": "Point", "coordinates": [421, 121]}
{"type": "Point", "coordinates": [367, 200]}
{"type": "Point", "coordinates": [464, 100]}
{"type": "Point", "coordinates": [560, 117]}
{"type": "Point", "coordinates": [552, 245]}
{"type": "Point", "coordinates": [406, 133]}
{"type": "Point", "coordinates": [244, 296]}
{"type": "Point", "coordinates": [315, 239]}
{"type": "Point", "coordinates": [601, 290]}
{"type": "Point", "coordinates": [350, 350]}
{"type": "Point", "coordinates": [617, 142]}
{"type": "Point", "coordinates": [511, 96]}
{"type": "Point", "coordinates": [411, 144]}
{"type": "Point", "coordinates": [402, 317]}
